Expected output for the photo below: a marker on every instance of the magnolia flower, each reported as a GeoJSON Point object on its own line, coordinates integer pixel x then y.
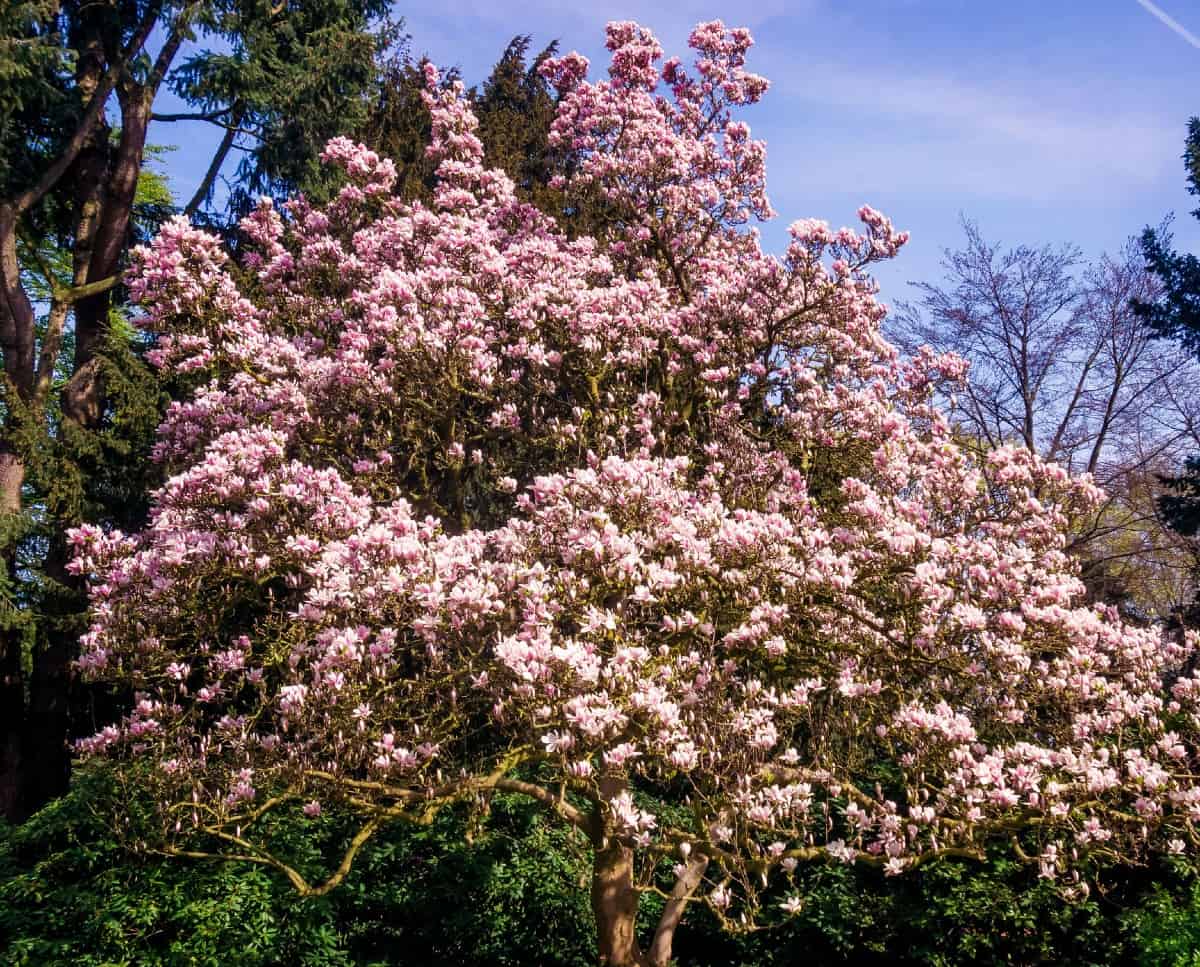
{"type": "Point", "coordinates": [840, 851]}
{"type": "Point", "coordinates": [558, 741]}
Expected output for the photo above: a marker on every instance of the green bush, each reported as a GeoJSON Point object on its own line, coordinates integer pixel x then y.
{"type": "Point", "coordinates": [72, 894]}
{"type": "Point", "coordinates": [949, 913]}
{"type": "Point", "coordinates": [1168, 926]}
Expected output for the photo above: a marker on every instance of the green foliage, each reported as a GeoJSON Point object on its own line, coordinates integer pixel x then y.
{"type": "Point", "coordinates": [515, 895]}
{"type": "Point", "coordinates": [515, 109]}
{"type": "Point", "coordinates": [153, 200]}
{"type": "Point", "coordinates": [70, 893]}
{"type": "Point", "coordinates": [948, 913]}
{"type": "Point", "coordinates": [95, 474]}
{"type": "Point", "coordinates": [513, 890]}
{"type": "Point", "coordinates": [1181, 504]}
{"type": "Point", "coordinates": [1169, 929]}
{"type": "Point", "coordinates": [33, 108]}
{"type": "Point", "coordinates": [293, 76]}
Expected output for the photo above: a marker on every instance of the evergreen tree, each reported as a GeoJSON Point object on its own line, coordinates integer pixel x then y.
{"type": "Point", "coordinates": [1176, 315]}
{"type": "Point", "coordinates": [79, 83]}
{"type": "Point", "coordinates": [515, 107]}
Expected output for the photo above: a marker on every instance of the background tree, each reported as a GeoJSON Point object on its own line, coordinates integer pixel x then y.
{"type": "Point", "coordinates": [654, 530]}
{"type": "Point", "coordinates": [515, 109]}
{"type": "Point", "coordinates": [81, 81]}
{"type": "Point", "coordinates": [1062, 365]}
{"type": "Point", "coordinates": [1174, 312]}
{"type": "Point", "coordinates": [296, 75]}
{"type": "Point", "coordinates": [515, 106]}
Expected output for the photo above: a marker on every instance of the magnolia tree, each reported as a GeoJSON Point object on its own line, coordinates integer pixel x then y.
{"type": "Point", "coordinates": [650, 527]}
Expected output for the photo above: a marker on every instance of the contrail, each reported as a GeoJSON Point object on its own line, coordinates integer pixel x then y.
{"type": "Point", "coordinates": [1171, 22]}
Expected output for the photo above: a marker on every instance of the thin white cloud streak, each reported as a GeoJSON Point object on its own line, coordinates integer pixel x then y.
{"type": "Point", "coordinates": [1170, 22]}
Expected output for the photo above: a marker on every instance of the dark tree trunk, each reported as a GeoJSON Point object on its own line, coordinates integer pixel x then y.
{"type": "Point", "coordinates": [46, 762]}
{"type": "Point", "coordinates": [105, 211]}
{"type": "Point", "coordinates": [16, 342]}
{"type": "Point", "coordinates": [47, 724]}
{"type": "Point", "coordinates": [35, 713]}
{"type": "Point", "coordinates": [12, 713]}
{"type": "Point", "coordinates": [615, 905]}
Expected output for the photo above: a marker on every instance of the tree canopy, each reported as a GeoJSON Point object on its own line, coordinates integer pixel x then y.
{"type": "Point", "coordinates": [648, 526]}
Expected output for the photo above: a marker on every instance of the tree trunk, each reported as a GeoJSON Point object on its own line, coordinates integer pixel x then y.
{"type": "Point", "coordinates": [685, 885]}
{"type": "Point", "coordinates": [45, 742]}
{"type": "Point", "coordinates": [17, 346]}
{"type": "Point", "coordinates": [615, 905]}
{"type": "Point", "coordinates": [12, 713]}
{"type": "Point", "coordinates": [83, 398]}
{"type": "Point", "coordinates": [17, 318]}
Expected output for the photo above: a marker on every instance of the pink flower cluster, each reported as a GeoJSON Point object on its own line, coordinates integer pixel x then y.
{"type": "Point", "coordinates": [457, 493]}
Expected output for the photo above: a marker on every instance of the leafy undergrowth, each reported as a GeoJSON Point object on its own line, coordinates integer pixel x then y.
{"type": "Point", "coordinates": [71, 893]}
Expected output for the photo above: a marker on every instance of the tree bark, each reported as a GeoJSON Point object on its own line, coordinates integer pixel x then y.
{"type": "Point", "coordinates": [16, 313]}
{"type": "Point", "coordinates": [615, 905]}
{"type": "Point", "coordinates": [16, 343]}
{"type": "Point", "coordinates": [83, 398]}
{"type": "Point", "coordinates": [676, 905]}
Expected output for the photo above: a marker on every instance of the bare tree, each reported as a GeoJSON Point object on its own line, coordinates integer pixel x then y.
{"type": "Point", "coordinates": [1061, 364]}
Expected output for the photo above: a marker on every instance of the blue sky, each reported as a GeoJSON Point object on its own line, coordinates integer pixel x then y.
{"type": "Point", "coordinates": [1050, 121]}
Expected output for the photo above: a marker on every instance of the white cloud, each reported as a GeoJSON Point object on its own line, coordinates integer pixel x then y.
{"type": "Point", "coordinates": [1170, 22]}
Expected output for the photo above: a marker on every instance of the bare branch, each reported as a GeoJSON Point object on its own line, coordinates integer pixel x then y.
{"type": "Point", "coordinates": [204, 189]}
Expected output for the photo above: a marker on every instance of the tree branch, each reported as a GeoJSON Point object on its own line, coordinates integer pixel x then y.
{"type": "Point", "coordinates": [76, 292]}
{"type": "Point", "coordinates": [170, 48]}
{"type": "Point", "coordinates": [51, 344]}
{"type": "Point", "coordinates": [95, 110]}
{"type": "Point", "coordinates": [681, 894]}
{"type": "Point", "coordinates": [557, 803]}
{"type": "Point", "coordinates": [204, 189]}
{"type": "Point", "coordinates": [206, 116]}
